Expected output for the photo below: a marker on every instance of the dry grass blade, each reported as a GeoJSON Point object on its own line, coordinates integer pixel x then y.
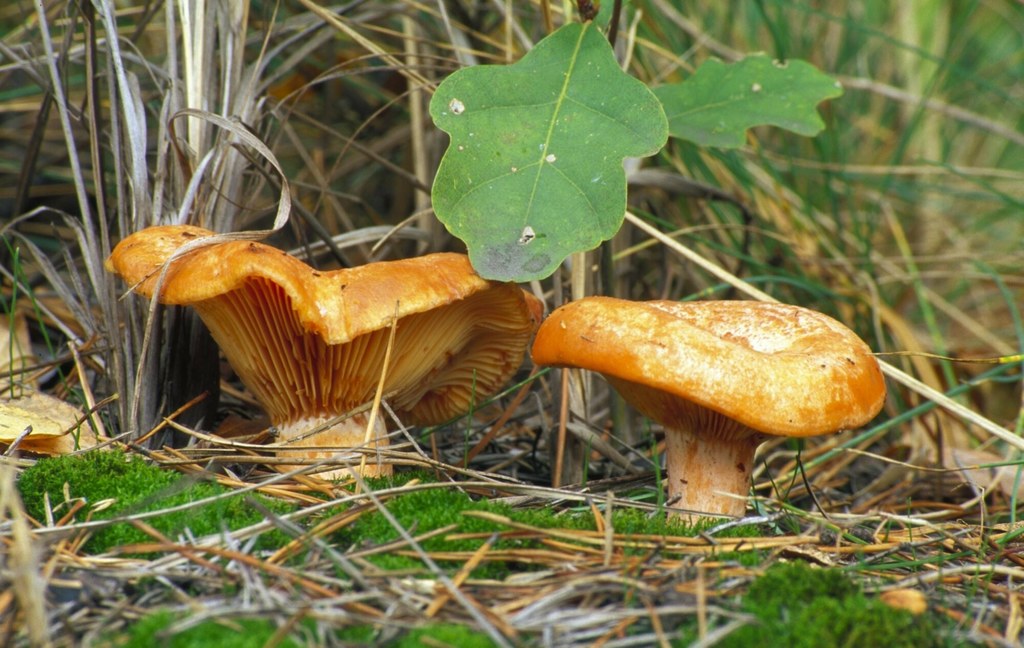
{"type": "Point", "coordinates": [24, 565]}
{"type": "Point", "coordinates": [453, 590]}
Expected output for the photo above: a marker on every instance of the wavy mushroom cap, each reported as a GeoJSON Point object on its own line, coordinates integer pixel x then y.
{"type": "Point", "coordinates": [773, 368]}
{"type": "Point", "coordinates": [338, 305]}
{"type": "Point", "coordinates": [311, 343]}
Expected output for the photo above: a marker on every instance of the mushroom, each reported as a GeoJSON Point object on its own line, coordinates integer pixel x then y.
{"type": "Point", "coordinates": [719, 376]}
{"type": "Point", "coordinates": [311, 345]}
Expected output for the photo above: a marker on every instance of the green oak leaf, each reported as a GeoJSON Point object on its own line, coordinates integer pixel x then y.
{"type": "Point", "coordinates": [534, 171]}
{"type": "Point", "coordinates": [721, 101]}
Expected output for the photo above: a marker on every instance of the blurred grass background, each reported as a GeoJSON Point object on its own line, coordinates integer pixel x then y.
{"type": "Point", "coordinates": [905, 218]}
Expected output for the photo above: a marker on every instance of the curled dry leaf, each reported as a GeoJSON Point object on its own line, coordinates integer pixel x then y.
{"type": "Point", "coordinates": [54, 424]}
{"type": "Point", "coordinates": [983, 470]}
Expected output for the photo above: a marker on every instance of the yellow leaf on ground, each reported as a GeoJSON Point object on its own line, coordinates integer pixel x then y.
{"type": "Point", "coordinates": [52, 425]}
{"type": "Point", "coordinates": [910, 600]}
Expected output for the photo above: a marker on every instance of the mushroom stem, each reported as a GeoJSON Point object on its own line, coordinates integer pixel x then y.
{"type": "Point", "coordinates": [336, 442]}
{"type": "Point", "coordinates": [709, 475]}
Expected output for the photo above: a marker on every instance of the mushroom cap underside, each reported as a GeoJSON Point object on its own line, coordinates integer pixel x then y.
{"type": "Point", "coordinates": [441, 361]}
{"type": "Point", "coordinates": [338, 305]}
{"type": "Point", "coordinates": [311, 343]}
{"type": "Point", "coordinates": [775, 368]}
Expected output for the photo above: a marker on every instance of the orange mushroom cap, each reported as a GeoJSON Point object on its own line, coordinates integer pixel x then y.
{"type": "Point", "coordinates": [719, 375]}
{"type": "Point", "coordinates": [777, 369]}
{"type": "Point", "coordinates": [310, 344]}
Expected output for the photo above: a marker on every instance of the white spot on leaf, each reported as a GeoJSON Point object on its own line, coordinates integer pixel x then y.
{"type": "Point", "coordinates": [550, 158]}
{"type": "Point", "coordinates": [527, 235]}
{"type": "Point", "coordinates": [456, 106]}
{"type": "Point", "coordinates": [756, 87]}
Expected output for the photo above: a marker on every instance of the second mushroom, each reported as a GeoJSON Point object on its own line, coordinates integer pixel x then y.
{"type": "Point", "coordinates": [720, 376]}
{"type": "Point", "coordinates": [310, 345]}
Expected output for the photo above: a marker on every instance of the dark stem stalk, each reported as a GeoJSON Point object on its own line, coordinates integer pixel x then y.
{"type": "Point", "coordinates": [613, 24]}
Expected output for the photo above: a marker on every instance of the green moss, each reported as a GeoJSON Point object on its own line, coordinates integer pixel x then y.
{"type": "Point", "coordinates": [437, 634]}
{"type": "Point", "coordinates": [230, 633]}
{"type": "Point", "coordinates": [425, 510]}
{"type": "Point", "coordinates": [798, 606]}
{"type": "Point", "coordinates": [790, 585]}
{"type": "Point", "coordinates": [361, 635]}
{"type": "Point", "coordinates": [246, 632]}
{"type": "Point", "coordinates": [419, 512]}
{"type": "Point", "coordinates": [401, 478]}
{"type": "Point", "coordinates": [445, 634]}
{"type": "Point", "coordinates": [136, 486]}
